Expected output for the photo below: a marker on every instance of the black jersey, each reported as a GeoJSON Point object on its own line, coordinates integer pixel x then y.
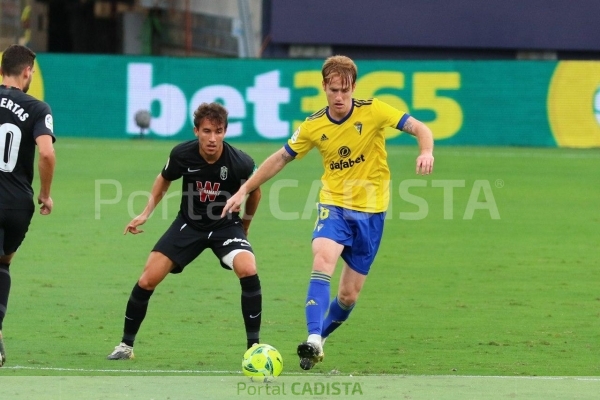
{"type": "Point", "coordinates": [22, 119]}
{"type": "Point", "coordinates": [207, 187]}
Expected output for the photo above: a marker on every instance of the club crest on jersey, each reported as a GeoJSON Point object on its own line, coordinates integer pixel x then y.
{"type": "Point", "coordinates": [358, 127]}
{"type": "Point", "coordinates": [223, 173]}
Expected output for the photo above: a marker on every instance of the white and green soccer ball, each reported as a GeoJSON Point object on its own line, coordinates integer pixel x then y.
{"type": "Point", "coordinates": [262, 363]}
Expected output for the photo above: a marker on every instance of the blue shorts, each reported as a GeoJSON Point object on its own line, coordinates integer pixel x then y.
{"type": "Point", "coordinates": [359, 232]}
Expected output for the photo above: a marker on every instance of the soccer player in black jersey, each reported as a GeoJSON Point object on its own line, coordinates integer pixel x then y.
{"type": "Point", "coordinates": [211, 170]}
{"type": "Point", "coordinates": [24, 123]}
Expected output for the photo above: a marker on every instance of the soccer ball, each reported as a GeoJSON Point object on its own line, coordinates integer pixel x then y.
{"type": "Point", "coordinates": [262, 363]}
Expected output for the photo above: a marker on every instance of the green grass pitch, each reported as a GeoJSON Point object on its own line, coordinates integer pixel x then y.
{"type": "Point", "coordinates": [456, 289]}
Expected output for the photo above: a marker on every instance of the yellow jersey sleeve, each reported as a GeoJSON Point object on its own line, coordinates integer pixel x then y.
{"type": "Point", "coordinates": [388, 115]}
{"type": "Point", "coordinates": [300, 143]}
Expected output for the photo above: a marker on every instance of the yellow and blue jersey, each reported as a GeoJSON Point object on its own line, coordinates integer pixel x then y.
{"type": "Point", "coordinates": [356, 174]}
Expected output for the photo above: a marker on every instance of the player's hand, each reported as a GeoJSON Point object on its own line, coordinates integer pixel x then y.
{"type": "Point", "coordinates": [132, 226]}
{"type": "Point", "coordinates": [234, 203]}
{"type": "Point", "coordinates": [425, 164]}
{"type": "Point", "coordinates": [47, 205]}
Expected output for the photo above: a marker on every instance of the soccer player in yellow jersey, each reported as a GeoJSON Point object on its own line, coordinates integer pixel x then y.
{"type": "Point", "coordinates": [349, 134]}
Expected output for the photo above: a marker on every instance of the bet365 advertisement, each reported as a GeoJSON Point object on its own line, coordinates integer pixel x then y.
{"type": "Point", "coordinates": [524, 103]}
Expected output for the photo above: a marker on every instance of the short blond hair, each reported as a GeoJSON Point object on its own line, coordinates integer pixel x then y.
{"type": "Point", "coordinates": [341, 66]}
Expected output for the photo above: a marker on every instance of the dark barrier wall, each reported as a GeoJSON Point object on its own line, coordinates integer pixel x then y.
{"type": "Point", "coordinates": [488, 24]}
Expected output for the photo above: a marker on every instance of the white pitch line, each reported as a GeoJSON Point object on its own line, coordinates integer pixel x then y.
{"type": "Point", "coordinates": [137, 371]}
{"type": "Point", "coordinates": [133, 371]}
{"type": "Point", "coordinates": [170, 371]}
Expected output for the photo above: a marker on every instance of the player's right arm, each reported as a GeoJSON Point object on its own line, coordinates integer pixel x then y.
{"type": "Point", "coordinates": [46, 163]}
{"type": "Point", "coordinates": [159, 188]}
{"type": "Point", "coordinates": [268, 169]}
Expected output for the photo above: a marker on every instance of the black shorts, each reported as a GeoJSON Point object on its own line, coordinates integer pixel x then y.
{"type": "Point", "coordinates": [182, 244]}
{"type": "Point", "coordinates": [14, 224]}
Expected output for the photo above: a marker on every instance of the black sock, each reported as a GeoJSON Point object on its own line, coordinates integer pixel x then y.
{"type": "Point", "coordinates": [251, 308]}
{"type": "Point", "coordinates": [4, 290]}
{"type": "Point", "coordinates": [135, 313]}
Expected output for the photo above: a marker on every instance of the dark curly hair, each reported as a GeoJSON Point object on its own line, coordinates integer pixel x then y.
{"type": "Point", "coordinates": [214, 112]}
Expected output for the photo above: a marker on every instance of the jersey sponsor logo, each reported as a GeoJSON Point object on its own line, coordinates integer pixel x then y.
{"type": "Point", "coordinates": [49, 122]}
{"type": "Point", "coordinates": [223, 174]}
{"type": "Point", "coordinates": [208, 190]}
{"type": "Point", "coordinates": [344, 152]}
{"type": "Point", "coordinates": [324, 137]}
{"type": "Point", "coordinates": [345, 163]}
{"type": "Point", "coordinates": [14, 107]}
{"type": "Point", "coordinates": [193, 170]}
{"type": "Point", "coordinates": [311, 303]}
{"type": "Point", "coordinates": [242, 242]}
{"type": "Point", "coordinates": [358, 127]}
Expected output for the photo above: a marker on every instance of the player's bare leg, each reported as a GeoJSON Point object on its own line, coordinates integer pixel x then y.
{"type": "Point", "coordinates": [351, 283]}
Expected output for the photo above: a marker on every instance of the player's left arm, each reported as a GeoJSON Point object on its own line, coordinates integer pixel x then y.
{"type": "Point", "coordinates": [425, 139]}
{"type": "Point", "coordinates": [46, 163]}
{"type": "Point", "coordinates": [250, 208]}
